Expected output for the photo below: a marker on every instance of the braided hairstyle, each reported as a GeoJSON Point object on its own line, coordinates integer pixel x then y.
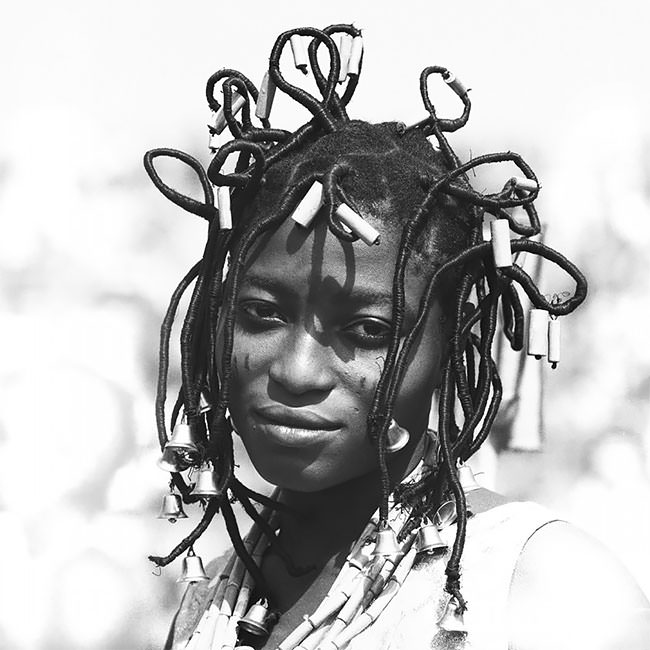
{"type": "Point", "coordinates": [388, 172]}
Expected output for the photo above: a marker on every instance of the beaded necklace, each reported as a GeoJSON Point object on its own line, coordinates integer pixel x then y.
{"type": "Point", "coordinates": [371, 576]}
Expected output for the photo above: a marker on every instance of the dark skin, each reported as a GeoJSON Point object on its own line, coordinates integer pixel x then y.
{"type": "Point", "coordinates": [311, 335]}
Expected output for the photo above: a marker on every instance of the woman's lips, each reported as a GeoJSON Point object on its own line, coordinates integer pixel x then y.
{"type": "Point", "coordinates": [289, 427]}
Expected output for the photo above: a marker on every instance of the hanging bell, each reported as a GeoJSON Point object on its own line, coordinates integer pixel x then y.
{"type": "Point", "coordinates": [206, 483]}
{"type": "Point", "coordinates": [445, 515]}
{"type": "Point", "coordinates": [467, 480]}
{"type": "Point", "coordinates": [173, 461]}
{"type": "Point", "coordinates": [429, 540]}
{"type": "Point", "coordinates": [386, 544]}
{"type": "Point", "coordinates": [256, 620]}
{"type": "Point", "coordinates": [182, 439]}
{"type": "Point", "coordinates": [452, 619]}
{"type": "Point", "coordinates": [172, 508]}
{"type": "Point", "coordinates": [193, 570]}
{"type": "Point", "coordinates": [398, 437]}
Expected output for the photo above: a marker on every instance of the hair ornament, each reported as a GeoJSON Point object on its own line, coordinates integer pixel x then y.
{"type": "Point", "coordinates": [309, 205]}
{"type": "Point", "coordinates": [345, 50]}
{"type": "Point", "coordinates": [554, 334]}
{"type": "Point", "coordinates": [299, 51]}
{"type": "Point", "coordinates": [538, 333]}
{"type": "Point", "coordinates": [357, 224]}
{"type": "Point", "coordinates": [354, 64]}
{"type": "Point", "coordinates": [223, 201]}
{"type": "Point", "coordinates": [265, 97]}
{"type": "Point", "coordinates": [455, 84]}
{"type": "Point", "coordinates": [500, 238]}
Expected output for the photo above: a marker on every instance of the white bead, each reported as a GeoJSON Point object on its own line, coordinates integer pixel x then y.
{"type": "Point", "coordinates": [219, 118]}
{"type": "Point", "coordinates": [223, 202]}
{"type": "Point", "coordinates": [456, 85]}
{"type": "Point", "coordinates": [538, 333]}
{"type": "Point", "coordinates": [355, 55]}
{"type": "Point", "coordinates": [308, 208]}
{"type": "Point", "coordinates": [357, 224]}
{"type": "Point", "coordinates": [554, 330]}
{"type": "Point", "coordinates": [522, 183]}
{"type": "Point", "coordinates": [265, 97]}
{"type": "Point", "coordinates": [299, 52]}
{"type": "Point", "coordinates": [500, 230]}
{"type": "Point", "coordinates": [345, 49]}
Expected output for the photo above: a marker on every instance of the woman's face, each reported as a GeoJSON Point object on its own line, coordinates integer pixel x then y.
{"type": "Point", "coordinates": [311, 336]}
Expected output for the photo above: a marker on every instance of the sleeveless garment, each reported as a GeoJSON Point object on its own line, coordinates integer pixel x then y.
{"type": "Point", "coordinates": [494, 541]}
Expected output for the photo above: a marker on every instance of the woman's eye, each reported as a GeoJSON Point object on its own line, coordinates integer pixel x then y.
{"type": "Point", "coordinates": [369, 332]}
{"type": "Point", "coordinates": [259, 312]}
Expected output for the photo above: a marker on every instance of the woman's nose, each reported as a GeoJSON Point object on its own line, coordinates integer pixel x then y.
{"type": "Point", "coordinates": [303, 365]}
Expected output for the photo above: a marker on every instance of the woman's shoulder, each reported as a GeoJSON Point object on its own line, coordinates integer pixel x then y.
{"type": "Point", "coordinates": [568, 591]}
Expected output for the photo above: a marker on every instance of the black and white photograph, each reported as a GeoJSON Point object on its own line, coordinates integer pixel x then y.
{"type": "Point", "coordinates": [324, 326]}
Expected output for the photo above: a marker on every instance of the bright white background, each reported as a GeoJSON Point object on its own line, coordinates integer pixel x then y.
{"type": "Point", "coordinates": [90, 252]}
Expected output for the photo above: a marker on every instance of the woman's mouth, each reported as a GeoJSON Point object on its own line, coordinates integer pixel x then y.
{"type": "Point", "coordinates": [290, 427]}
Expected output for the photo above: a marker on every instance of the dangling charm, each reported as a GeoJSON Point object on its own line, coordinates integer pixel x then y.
{"type": "Point", "coordinates": [398, 437]}
{"type": "Point", "coordinates": [223, 203]}
{"type": "Point", "coordinates": [345, 50]}
{"type": "Point", "coordinates": [554, 341]}
{"type": "Point", "coordinates": [299, 52]}
{"type": "Point", "coordinates": [256, 620]}
{"type": "Point", "coordinates": [538, 333]}
{"type": "Point", "coordinates": [386, 544]}
{"type": "Point", "coordinates": [204, 405]}
{"type": "Point", "coordinates": [206, 483]}
{"type": "Point", "coordinates": [174, 460]}
{"type": "Point", "coordinates": [172, 508]}
{"type": "Point", "coordinates": [265, 97]}
{"type": "Point", "coordinates": [501, 249]}
{"type": "Point", "coordinates": [452, 619]}
{"type": "Point", "coordinates": [466, 477]}
{"type": "Point", "coordinates": [309, 206]}
{"type": "Point", "coordinates": [445, 515]}
{"type": "Point", "coordinates": [182, 439]}
{"type": "Point", "coordinates": [193, 570]}
{"type": "Point", "coordinates": [429, 540]}
{"type": "Point", "coordinates": [355, 56]}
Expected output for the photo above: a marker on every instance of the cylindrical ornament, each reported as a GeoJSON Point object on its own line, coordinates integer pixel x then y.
{"type": "Point", "coordinates": [223, 203]}
{"type": "Point", "coordinates": [265, 97]}
{"type": "Point", "coordinates": [456, 85]}
{"type": "Point", "coordinates": [554, 341]}
{"type": "Point", "coordinates": [500, 230]}
{"type": "Point", "coordinates": [345, 49]}
{"type": "Point", "coordinates": [522, 183]}
{"type": "Point", "coordinates": [354, 64]}
{"type": "Point", "coordinates": [538, 333]}
{"type": "Point", "coordinates": [357, 224]}
{"type": "Point", "coordinates": [219, 121]}
{"type": "Point", "coordinates": [213, 142]}
{"type": "Point", "coordinates": [308, 208]}
{"type": "Point", "coordinates": [299, 52]}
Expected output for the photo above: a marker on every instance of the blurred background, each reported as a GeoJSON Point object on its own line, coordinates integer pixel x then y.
{"type": "Point", "coordinates": [90, 253]}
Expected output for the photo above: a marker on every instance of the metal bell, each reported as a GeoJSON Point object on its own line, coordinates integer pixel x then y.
{"type": "Point", "coordinates": [452, 619]}
{"type": "Point", "coordinates": [182, 439]}
{"type": "Point", "coordinates": [386, 544]}
{"type": "Point", "coordinates": [445, 515]}
{"type": "Point", "coordinates": [398, 437]}
{"type": "Point", "coordinates": [193, 570]}
{"type": "Point", "coordinates": [256, 620]}
{"type": "Point", "coordinates": [206, 483]}
{"type": "Point", "coordinates": [173, 460]}
{"type": "Point", "coordinates": [429, 539]}
{"type": "Point", "coordinates": [467, 480]}
{"type": "Point", "coordinates": [172, 508]}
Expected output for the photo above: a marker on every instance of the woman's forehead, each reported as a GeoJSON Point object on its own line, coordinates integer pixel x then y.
{"type": "Point", "coordinates": [314, 259]}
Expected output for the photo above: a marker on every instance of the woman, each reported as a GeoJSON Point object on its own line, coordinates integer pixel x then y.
{"type": "Point", "coordinates": [322, 351]}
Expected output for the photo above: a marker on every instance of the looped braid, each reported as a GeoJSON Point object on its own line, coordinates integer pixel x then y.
{"type": "Point", "coordinates": [440, 217]}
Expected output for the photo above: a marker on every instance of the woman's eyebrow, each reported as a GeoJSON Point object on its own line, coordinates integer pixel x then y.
{"type": "Point", "coordinates": [266, 283]}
